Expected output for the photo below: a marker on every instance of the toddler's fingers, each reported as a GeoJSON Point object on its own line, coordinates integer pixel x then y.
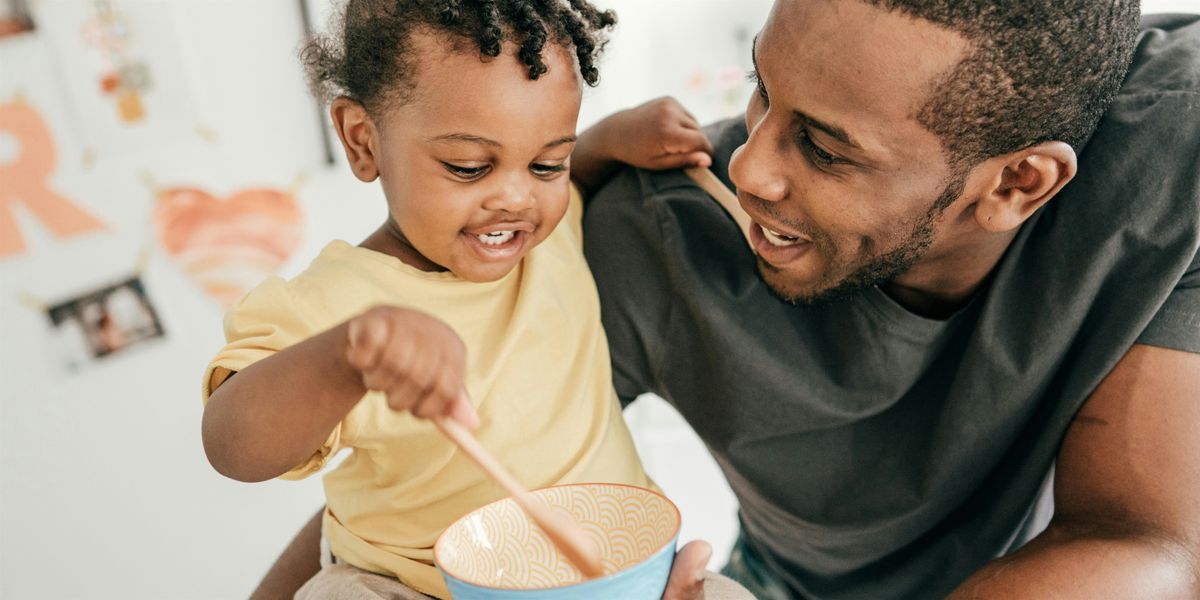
{"type": "Point", "coordinates": [689, 120]}
{"type": "Point", "coordinates": [463, 411]}
{"type": "Point", "coordinates": [401, 398]}
{"type": "Point", "coordinates": [435, 404]}
{"type": "Point", "coordinates": [449, 387]}
{"type": "Point", "coordinates": [366, 339]}
{"type": "Point", "coordinates": [406, 394]}
{"type": "Point", "coordinates": [681, 115]}
{"type": "Point", "coordinates": [413, 388]}
{"type": "Point", "coordinates": [443, 391]}
{"type": "Point", "coordinates": [379, 379]}
{"type": "Point", "coordinates": [699, 159]}
{"type": "Point", "coordinates": [430, 404]}
{"type": "Point", "coordinates": [678, 161]}
{"type": "Point", "coordinates": [384, 374]}
{"type": "Point", "coordinates": [700, 141]}
{"type": "Point", "coordinates": [682, 140]}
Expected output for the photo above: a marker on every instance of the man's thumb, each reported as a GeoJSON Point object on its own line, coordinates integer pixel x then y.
{"type": "Point", "coordinates": [688, 572]}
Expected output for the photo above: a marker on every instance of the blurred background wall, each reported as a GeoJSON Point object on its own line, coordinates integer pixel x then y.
{"type": "Point", "coordinates": [157, 158]}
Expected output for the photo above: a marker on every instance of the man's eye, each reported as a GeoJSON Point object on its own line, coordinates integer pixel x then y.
{"type": "Point", "coordinates": [818, 154]}
{"type": "Point", "coordinates": [543, 170]}
{"type": "Point", "coordinates": [465, 172]}
{"type": "Point", "coordinates": [758, 85]}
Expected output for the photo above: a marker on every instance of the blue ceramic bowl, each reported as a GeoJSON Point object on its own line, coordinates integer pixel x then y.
{"type": "Point", "coordinates": [496, 553]}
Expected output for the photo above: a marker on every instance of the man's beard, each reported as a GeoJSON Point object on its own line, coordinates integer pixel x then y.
{"type": "Point", "coordinates": [878, 270]}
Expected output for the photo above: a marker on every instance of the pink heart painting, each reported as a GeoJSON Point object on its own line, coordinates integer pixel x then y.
{"type": "Point", "coordinates": [228, 245]}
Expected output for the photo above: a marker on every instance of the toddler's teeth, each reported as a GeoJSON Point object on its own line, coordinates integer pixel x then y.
{"type": "Point", "coordinates": [497, 238]}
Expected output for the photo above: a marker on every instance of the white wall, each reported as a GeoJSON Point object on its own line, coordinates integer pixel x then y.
{"type": "Point", "coordinates": [104, 489]}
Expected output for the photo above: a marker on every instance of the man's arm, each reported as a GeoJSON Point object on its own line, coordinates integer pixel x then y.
{"type": "Point", "coordinates": [1126, 491]}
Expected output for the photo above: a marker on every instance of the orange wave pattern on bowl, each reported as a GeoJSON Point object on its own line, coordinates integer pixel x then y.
{"type": "Point", "coordinates": [498, 547]}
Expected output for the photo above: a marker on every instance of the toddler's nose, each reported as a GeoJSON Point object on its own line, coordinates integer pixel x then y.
{"type": "Point", "coordinates": [513, 198]}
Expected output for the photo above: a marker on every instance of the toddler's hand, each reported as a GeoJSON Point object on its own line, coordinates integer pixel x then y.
{"type": "Point", "coordinates": [660, 134]}
{"type": "Point", "coordinates": [415, 359]}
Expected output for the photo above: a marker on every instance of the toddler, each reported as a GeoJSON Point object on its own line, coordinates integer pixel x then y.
{"type": "Point", "coordinates": [471, 302]}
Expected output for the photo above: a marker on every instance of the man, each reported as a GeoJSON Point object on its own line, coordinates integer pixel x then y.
{"type": "Point", "coordinates": [938, 319]}
{"type": "Point", "coordinates": [971, 302]}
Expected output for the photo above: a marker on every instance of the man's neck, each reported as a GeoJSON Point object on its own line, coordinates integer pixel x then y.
{"type": "Point", "coordinates": [940, 285]}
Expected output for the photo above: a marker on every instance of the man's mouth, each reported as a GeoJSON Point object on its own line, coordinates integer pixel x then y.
{"type": "Point", "coordinates": [778, 248]}
{"type": "Point", "coordinates": [779, 239]}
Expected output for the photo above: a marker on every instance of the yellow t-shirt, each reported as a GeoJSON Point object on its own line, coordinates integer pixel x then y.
{"type": "Point", "coordinates": [537, 369]}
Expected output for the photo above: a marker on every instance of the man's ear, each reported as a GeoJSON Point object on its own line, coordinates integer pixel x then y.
{"type": "Point", "coordinates": [358, 134]}
{"type": "Point", "coordinates": [1022, 182]}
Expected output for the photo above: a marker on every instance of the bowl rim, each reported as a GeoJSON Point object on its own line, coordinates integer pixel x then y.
{"type": "Point", "coordinates": [437, 545]}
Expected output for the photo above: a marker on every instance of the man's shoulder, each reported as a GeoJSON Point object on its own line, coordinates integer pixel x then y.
{"type": "Point", "coordinates": [726, 136]}
{"type": "Point", "coordinates": [664, 213]}
{"type": "Point", "coordinates": [1167, 57]}
{"type": "Point", "coordinates": [655, 186]}
{"type": "Point", "coordinates": [1145, 150]}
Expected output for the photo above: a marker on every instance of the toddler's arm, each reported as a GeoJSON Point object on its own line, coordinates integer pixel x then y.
{"type": "Point", "coordinates": [659, 134]}
{"type": "Point", "coordinates": [274, 414]}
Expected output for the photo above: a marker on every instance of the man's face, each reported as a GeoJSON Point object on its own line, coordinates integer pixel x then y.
{"type": "Point", "coordinates": [844, 186]}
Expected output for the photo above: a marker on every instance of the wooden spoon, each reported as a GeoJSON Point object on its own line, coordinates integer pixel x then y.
{"type": "Point", "coordinates": [563, 531]}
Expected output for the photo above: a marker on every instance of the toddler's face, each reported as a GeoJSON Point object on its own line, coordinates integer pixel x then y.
{"type": "Point", "coordinates": [474, 165]}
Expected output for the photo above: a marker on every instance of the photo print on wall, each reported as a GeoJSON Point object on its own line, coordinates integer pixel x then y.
{"type": "Point", "coordinates": [102, 322]}
{"type": "Point", "coordinates": [15, 18]}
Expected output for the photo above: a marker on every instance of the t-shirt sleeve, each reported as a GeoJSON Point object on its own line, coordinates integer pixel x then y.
{"type": "Point", "coordinates": [265, 321]}
{"type": "Point", "coordinates": [623, 247]}
{"type": "Point", "coordinates": [1177, 323]}
{"type": "Point", "coordinates": [573, 220]}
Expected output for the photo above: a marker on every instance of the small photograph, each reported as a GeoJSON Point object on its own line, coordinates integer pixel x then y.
{"type": "Point", "coordinates": [104, 321]}
{"type": "Point", "coordinates": [15, 18]}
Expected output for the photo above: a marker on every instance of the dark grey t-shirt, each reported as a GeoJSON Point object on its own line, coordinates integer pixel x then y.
{"type": "Point", "coordinates": [875, 453]}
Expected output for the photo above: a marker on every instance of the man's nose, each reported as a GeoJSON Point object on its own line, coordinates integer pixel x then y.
{"type": "Point", "coordinates": [757, 167]}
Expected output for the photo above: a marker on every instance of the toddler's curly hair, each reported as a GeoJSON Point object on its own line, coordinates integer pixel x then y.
{"type": "Point", "coordinates": [367, 57]}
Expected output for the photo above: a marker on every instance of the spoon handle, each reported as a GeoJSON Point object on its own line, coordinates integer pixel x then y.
{"type": "Point", "coordinates": [563, 531]}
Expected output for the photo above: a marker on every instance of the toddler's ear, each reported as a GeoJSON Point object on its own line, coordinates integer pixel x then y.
{"type": "Point", "coordinates": [357, 132]}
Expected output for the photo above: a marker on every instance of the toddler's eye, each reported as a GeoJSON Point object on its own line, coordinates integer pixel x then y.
{"type": "Point", "coordinates": [544, 170]}
{"type": "Point", "coordinates": [466, 172]}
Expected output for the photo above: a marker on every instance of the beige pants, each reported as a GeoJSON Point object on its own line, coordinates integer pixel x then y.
{"type": "Point", "coordinates": [344, 582]}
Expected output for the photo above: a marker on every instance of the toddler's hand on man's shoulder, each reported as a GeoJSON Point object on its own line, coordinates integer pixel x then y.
{"type": "Point", "coordinates": [659, 134]}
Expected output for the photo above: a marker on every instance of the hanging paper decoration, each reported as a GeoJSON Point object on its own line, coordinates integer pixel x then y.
{"type": "Point", "coordinates": [229, 245]}
{"type": "Point", "coordinates": [125, 78]}
{"type": "Point", "coordinates": [26, 180]}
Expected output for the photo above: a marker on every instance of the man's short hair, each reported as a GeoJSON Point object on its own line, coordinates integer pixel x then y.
{"type": "Point", "coordinates": [1036, 71]}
